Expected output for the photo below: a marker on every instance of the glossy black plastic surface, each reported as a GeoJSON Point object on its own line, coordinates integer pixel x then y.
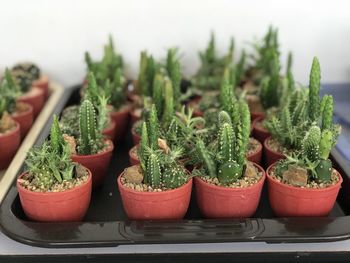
{"type": "Point", "coordinates": [106, 224]}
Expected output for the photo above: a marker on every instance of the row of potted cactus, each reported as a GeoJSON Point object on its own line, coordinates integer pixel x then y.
{"type": "Point", "coordinates": [23, 92]}
{"type": "Point", "coordinates": [176, 146]}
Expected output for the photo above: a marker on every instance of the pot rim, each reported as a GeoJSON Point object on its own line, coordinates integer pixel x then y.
{"type": "Point", "coordinates": [232, 189]}
{"type": "Point", "coordinates": [269, 148]}
{"type": "Point", "coordinates": [23, 113]}
{"type": "Point", "coordinates": [296, 188]}
{"type": "Point", "coordinates": [260, 147]}
{"type": "Point", "coordinates": [255, 121]}
{"type": "Point", "coordinates": [131, 150]}
{"type": "Point", "coordinates": [27, 95]}
{"type": "Point", "coordinates": [10, 133]}
{"type": "Point", "coordinates": [19, 186]}
{"type": "Point", "coordinates": [126, 189]}
{"type": "Point", "coordinates": [108, 150]}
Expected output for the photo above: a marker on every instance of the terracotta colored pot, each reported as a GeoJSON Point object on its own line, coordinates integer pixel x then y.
{"type": "Point", "coordinates": [135, 137]}
{"type": "Point", "coordinates": [255, 115]}
{"type": "Point", "coordinates": [255, 157]}
{"type": "Point", "coordinates": [290, 201]}
{"type": "Point", "coordinates": [110, 131]}
{"type": "Point", "coordinates": [270, 155]}
{"type": "Point", "coordinates": [133, 158]}
{"type": "Point", "coordinates": [43, 83]}
{"type": "Point", "coordinates": [170, 204]}
{"type": "Point", "coordinates": [97, 163]}
{"type": "Point", "coordinates": [25, 119]}
{"type": "Point", "coordinates": [135, 115]}
{"type": "Point", "coordinates": [121, 119]}
{"type": "Point", "coordinates": [34, 97]}
{"type": "Point", "coordinates": [224, 202]}
{"type": "Point", "coordinates": [70, 205]}
{"type": "Point", "coordinates": [9, 144]}
{"type": "Point", "coordinates": [258, 132]}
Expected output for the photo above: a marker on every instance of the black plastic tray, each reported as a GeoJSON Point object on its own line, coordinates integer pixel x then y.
{"type": "Point", "coordinates": [106, 224]}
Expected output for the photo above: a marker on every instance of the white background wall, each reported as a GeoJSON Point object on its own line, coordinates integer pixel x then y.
{"type": "Point", "coordinates": [56, 33]}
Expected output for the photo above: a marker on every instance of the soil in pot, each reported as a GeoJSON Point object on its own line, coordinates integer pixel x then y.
{"type": "Point", "coordinates": [10, 139]}
{"type": "Point", "coordinates": [66, 201]}
{"type": "Point", "coordinates": [307, 199]}
{"type": "Point", "coordinates": [254, 153]}
{"type": "Point", "coordinates": [35, 97]}
{"type": "Point", "coordinates": [142, 202]}
{"type": "Point", "coordinates": [121, 119]}
{"type": "Point", "coordinates": [133, 158]}
{"type": "Point", "coordinates": [259, 130]}
{"type": "Point", "coordinates": [97, 163]}
{"type": "Point", "coordinates": [274, 151]}
{"type": "Point", "coordinates": [237, 200]}
{"type": "Point", "coordinates": [24, 116]}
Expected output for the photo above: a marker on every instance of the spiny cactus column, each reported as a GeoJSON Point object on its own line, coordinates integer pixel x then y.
{"type": "Point", "coordinates": [157, 95]}
{"type": "Point", "coordinates": [153, 172]}
{"type": "Point", "coordinates": [208, 163]}
{"type": "Point", "coordinates": [56, 137]}
{"type": "Point", "coordinates": [327, 112]}
{"type": "Point", "coordinates": [168, 104]}
{"type": "Point", "coordinates": [314, 90]}
{"type": "Point", "coordinates": [153, 128]}
{"type": "Point", "coordinates": [87, 120]}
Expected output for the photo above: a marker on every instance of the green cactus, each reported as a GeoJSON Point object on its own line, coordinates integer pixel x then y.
{"type": "Point", "coordinates": [9, 92]}
{"type": "Point", "coordinates": [157, 95]}
{"type": "Point", "coordinates": [153, 171]}
{"type": "Point", "coordinates": [310, 147]}
{"type": "Point", "coordinates": [31, 69]}
{"type": "Point", "coordinates": [314, 90]}
{"type": "Point", "coordinates": [206, 158]}
{"type": "Point", "coordinates": [90, 136]}
{"type": "Point", "coordinates": [240, 69]}
{"type": "Point", "coordinates": [153, 128]}
{"type": "Point", "coordinates": [56, 137]}
{"type": "Point", "coordinates": [169, 108]}
{"type": "Point", "coordinates": [326, 109]}
{"type": "Point", "coordinates": [173, 68]}
{"type": "Point", "coordinates": [148, 70]}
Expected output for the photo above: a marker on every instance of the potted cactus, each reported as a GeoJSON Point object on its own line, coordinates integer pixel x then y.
{"type": "Point", "coordinates": [301, 110]}
{"type": "Point", "coordinates": [90, 148]}
{"type": "Point", "coordinates": [29, 94]}
{"type": "Point", "coordinates": [305, 184]}
{"type": "Point", "coordinates": [39, 79]}
{"type": "Point", "coordinates": [53, 188]}
{"type": "Point", "coordinates": [20, 111]}
{"type": "Point", "coordinates": [160, 187]}
{"type": "Point", "coordinates": [227, 185]}
{"type": "Point", "coordinates": [109, 78]}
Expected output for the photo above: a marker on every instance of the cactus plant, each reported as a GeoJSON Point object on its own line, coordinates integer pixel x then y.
{"type": "Point", "coordinates": [148, 69]}
{"type": "Point", "coordinates": [226, 160]}
{"type": "Point", "coordinates": [159, 165]}
{"type": "Point", "coordinates": [31, 69]}
{"type": "Point", "coordinates": [50, 163]}
{"type": "Point", "coordinates": [9, 91]}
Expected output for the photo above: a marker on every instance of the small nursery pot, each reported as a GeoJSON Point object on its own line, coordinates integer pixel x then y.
{"type": "Point", "coordinates": [224, 202]}
{"type": "Point", "coordinates": [255, 115]}
{"type": "Point", "coordinates": [133, 158]}
{"type": "Point", "coordinates": [35, 97]}
{"type": "Point", "coordinates": [170, 204]}
{"type": "Point", "coordinates": [258, 132]}
{"type": "Point", "coordinates": [9, 143]}
{"type": "Point", "coordinates": [97, 163]}
{"type": "Point", "coordinates": [25, 119]}
{"type": "Point", "coordinates": [290, 201]}
{"type": "Point", "coordinates": [121, 119]}
{"type": "Point", "coordinates": [270, 155]}
{"type": "Point", "coordinates": [256, 156]}
{"type": "Point", "coordinates": [66, 206]}
{"type": "Point", "coordinates": [110, 131]}
{"type": "Point", "coordinates": [42, 83]}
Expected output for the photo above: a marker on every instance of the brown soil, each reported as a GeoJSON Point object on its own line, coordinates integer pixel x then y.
{"type": "Point", "coordinates": [261, 125]}
{"type": "Point", "coordinates": [253, 146]}
{"type": "Point", "coordinates": [311, 184]}
{"type": "Point", "coordinates": [245, 181]}
{"type": "Point", "coordinates": [81, 178]}
{"type": "Point", "coordinates": [7, 124]}
{"type": "Point", "coordinates": [274, 145]}
{"type": "Point", "coordinates": [20, 108]}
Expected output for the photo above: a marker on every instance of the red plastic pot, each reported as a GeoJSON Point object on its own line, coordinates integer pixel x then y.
{"type": "Point", "coordinates": [97, 163]}
{"type": "Point", "coordinates": [9, 143]}
{"type": "Point", "coordinates": [170, 204]}
{"type": "Point", "coordinates": [110, 131]}
{"type": "Point", "coordinates": [34, 97]}
{"type": "Point", "coordinates": [290, 201]}
{"type": "Point", "coordinates": [258, 132]}
{"type": "Point", "coordinates": [133, 158]}
{"type": "Point", "coordinates": [121, 119]}
{"type": "Point", "coordinates": [255, 115]}
{"type": "Point", "coordinates": [255, 157]}
{"type": "Point", "coordinates": [224, 202]}
{"type": "Point", "coordinates": [42, 83]}
{"type": "Point", "coordinates": [66, 206]}
{"type": "Point", "coordinates": [25, 119]}
{"type": "Point", "coordinates": [270, 155]}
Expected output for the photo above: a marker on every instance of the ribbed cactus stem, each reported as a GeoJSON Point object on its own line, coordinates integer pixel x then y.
{"type": "Point", "coordinates": [326, 144]}
{"type": "Point", "coordinates": [240, 67]}
{"type": "Point", "coordinates": [87, 121]}
{"type": "Point", "coordinates": [327, 112]}
{"type": "Point", "coordinates": [226, 142]}
{"type": "Point", "coordinates": [208, 163]}
{"type": "Point", "coordinates": [169, 104]}
{"type": "Point", "coordinates": [142, 151]}
{"type": "Point", "coordinates": [153, 173]}
{"type": "Point", "coordinates": [56, 137]}
{"type": "Point", "coordinates": [226, 94]}
{"type": "Point", "coordinates": [153, 128]}
{"type": "Point", "coordinates": [314, 90]}
{"type": "Point", "coordinates": [243, 133]}
{"type": "Point", "coordinates": [311, 143]}
{"type": "Point", "coordinates": [157, 95]}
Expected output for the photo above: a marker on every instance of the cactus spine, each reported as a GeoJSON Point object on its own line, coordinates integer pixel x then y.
{"type": "Point", "coordinates": [314, 90]}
